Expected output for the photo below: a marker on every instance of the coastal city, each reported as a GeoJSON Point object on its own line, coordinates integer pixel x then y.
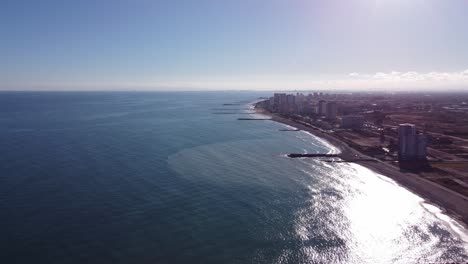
{"type": "Point", "coordinates": [243, 131]}
{"type": "Point", "coordinates": [424, 134]}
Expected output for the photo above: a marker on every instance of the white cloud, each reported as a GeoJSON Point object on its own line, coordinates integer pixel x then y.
{"type": "Point", "coordinates": [413, 76]}
{"type": "Point", "coordinates": [396, 80]}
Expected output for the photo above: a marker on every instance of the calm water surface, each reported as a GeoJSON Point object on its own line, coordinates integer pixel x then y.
{"type": "Point", "coordinates": [158, 178]}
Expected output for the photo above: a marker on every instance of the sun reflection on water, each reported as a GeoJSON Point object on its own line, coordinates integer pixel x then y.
{"type": "Point", "coordinates": [378, 220]}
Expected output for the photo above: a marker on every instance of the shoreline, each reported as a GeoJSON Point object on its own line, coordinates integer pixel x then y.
{"type": "Point", "coordinates": [450, 202]}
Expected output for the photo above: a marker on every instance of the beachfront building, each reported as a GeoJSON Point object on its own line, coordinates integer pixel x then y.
{"type": "Point", "coordinates": [290, 103]}
{"type": "Point", "coordinates": [321, 107]}
{"type": "Point", "coordinates": [279, 101]}
{"type": "Point", "coordinates": [331, 110]}
{"type": "Point", "coordinates": [271, 104]}
{"type": "Point", "coordinates": [352, 122]}
{"type": "Point", "coordinates": [412, 145]}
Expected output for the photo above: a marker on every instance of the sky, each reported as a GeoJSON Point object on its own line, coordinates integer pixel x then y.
{"type": "Point", "coordinates": [233, 44]}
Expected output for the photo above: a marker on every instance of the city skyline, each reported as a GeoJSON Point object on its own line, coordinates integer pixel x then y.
{"type": "Point", "coordinates": [234, 45]}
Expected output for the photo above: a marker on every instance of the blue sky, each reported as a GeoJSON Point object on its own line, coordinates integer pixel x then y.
{"type": "Point", "coordinates": [241, 44]}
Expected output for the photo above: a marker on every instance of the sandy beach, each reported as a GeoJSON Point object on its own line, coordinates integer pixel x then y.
{"type": "Point", "coordinates": [451, 202]}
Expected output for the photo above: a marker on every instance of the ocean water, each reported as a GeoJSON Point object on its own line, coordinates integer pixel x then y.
{"type": "Point", "coordinates": [134, 177]}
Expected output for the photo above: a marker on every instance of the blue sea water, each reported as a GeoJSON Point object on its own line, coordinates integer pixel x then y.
{"type": "Point", "coordinates": [153, 177]}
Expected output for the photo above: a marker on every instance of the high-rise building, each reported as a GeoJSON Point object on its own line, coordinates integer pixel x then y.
{"type": "Point", "coordinates": [280, 101]}
{"type": "Point", "coordinates": [331, 110]}
{"type": "Point", "coordinates": [412, 146]}
{"type": "Point", "coordinates": [321, 107]}
{"type": "Point", "coordinates": [290, 99]}
{"type": "Point", "coordinates": [406, 141]}
{"type": "Point", "coordinates": [290, 103]}
{"type": "Point", "coordinates": [271, 103]}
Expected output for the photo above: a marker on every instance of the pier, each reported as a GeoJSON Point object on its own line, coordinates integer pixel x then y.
{"type": "Point", "coordinates": [253, 118]}
{"type": "Point", "coordinates": [233, 113]}
{"type": "Point", "coordinates": [292, 130]}
{"type": "Point", "coordinates": [313, 155]}
{"type": "Point", "coordinates": [322, 155]}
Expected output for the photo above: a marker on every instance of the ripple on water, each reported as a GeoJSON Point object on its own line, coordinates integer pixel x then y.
{"type": "Point", "coordinates": [342, 213]}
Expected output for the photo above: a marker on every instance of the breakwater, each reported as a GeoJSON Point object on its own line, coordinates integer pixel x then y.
{"type": "Point", "coordinates": [241, 118]}
{"type": "Point", "coordinates": [342, 158]}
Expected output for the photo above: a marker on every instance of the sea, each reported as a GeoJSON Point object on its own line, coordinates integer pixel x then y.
{"type": "Point", "coordinates": [175, 177]}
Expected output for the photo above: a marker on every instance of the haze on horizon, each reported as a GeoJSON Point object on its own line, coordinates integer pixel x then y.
{"type": "Point", "coordinates": [239, 45]}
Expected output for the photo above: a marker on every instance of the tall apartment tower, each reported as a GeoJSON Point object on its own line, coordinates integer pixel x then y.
{"type": "Point", "coordinates": [279, 101]}
{"type": "Point", "coordinates": [321, 107]}
{"type": "Point", "coordinates": [412, 146]}
{"type": "Point", "coordinates": [331, 110]}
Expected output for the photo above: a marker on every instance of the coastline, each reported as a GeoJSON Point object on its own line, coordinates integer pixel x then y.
{"type": "Point", "coordinates": [451, 202]}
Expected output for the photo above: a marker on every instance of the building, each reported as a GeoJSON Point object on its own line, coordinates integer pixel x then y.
{"type": "Point", "coordinates": [300, 102]}
{"type": "Point", "coordinates": [412, 145]}
{"type": "Point", "coordinates": [290, 98]}
{"type": "Point", "coordinates": [321, 107]}
{"type": "Point", "coordinates": [291, 103]}
{"type": "Point", "coordinates": [271, 103]}
{"type": "Point", "coordinates": [331, 110]}
{"type": "Point", "coordinates": [406, 141]}
{"type": "Point", "coordinates": [352, 122]}
{"type": "Point", "coordinates": [279, 102]}
{"type": "Point", "coordinates": [309, 109]}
